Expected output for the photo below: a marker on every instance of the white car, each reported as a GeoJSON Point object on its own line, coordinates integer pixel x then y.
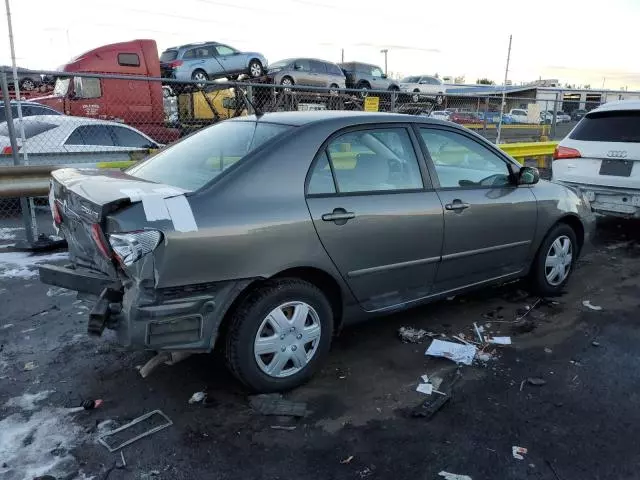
{"type": "Point", "coordinates": [65, 139]}
{"type": "Point", "coordinates": [547, 117]}
{"type": "Point", "coordinates": [601, 157]}
{"type": "Point", "coordinates": [520, 115]}
{"type": "Point", "coordinates": [440, 115]}
{"type": "Point", "coordinates": [423, 86]}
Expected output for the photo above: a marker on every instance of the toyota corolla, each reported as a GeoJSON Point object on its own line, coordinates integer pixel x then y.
{"type": "Point", "coordinates": [265, 235]}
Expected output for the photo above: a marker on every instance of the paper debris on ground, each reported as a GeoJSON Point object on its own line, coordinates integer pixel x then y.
{"type": "Point", "coordinates": [197, 397]}
{"type": "Point", "coordinates": [484, 357]}
{"type": "Point", "coordinates": [453, 351]}
{"type": "Point", "coordinates": [499, 340]}
{"type": "Point", "coordinates": [425, 388]}
{"type": "Point", "coordinates": [424, 378]}
{"type": "Point", "coordinates": [454, 476]}
{"type": "Point", "coordinates": [591, 306]}
{"type": "Point", "coordinates": [30, 366]}
{"type": "Point", "coordinates": [518, 452]}
{"type": "Point", "coordinates": [412, 335]}
{"type": "Point", "coordinates": [347, 460]}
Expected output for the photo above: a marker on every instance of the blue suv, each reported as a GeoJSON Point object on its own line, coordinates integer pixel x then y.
{"type": "Point", "coordinates": [209, 60]}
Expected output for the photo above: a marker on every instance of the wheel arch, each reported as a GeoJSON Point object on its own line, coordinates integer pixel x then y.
{"type": "Point", "coordinates": [576, 225]}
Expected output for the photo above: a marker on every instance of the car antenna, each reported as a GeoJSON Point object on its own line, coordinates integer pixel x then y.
{"type": "Point", "coordinates": [258, 113]}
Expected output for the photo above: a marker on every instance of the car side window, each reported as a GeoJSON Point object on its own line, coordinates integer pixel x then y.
{"type": "Point", "coordinates": [333, 69]}
{"type": "Point", "coordinates": [223, 50]}
{"type": "Point", "coordinates": [302, 65]}
{"type": "Point", "coordinates": [91, 135]}
{"type": "Point", "coordinates": [37, 110]}
{"type": "Point", "coordinates": [321, 180]}
{"type": "Point", "coordinates": [125, 137]}
{"type": "Point", "coordinates": [189, 54]}
{"type": "Point", "coordinates": [374, 160]}
{"type": "Point", "coordinates": [318, 67]}
{"type": "Point", "coordinates": [461, 162]}
{"type": "Point", "coordinates": [376, 72]}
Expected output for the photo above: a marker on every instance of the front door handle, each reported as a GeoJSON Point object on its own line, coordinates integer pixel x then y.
{"type": "Point", "coordinates": [339, 215]}
{"type": "Point", "coordinates": [457, 205]}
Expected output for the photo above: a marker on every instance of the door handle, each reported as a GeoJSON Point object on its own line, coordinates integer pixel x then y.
{"type": "Point", "coordinates": [338, 215]}
{"type": "Point", "coordinates": [457, 205]}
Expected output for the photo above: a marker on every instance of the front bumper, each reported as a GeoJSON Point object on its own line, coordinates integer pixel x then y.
{"type": "Point", "coordinates": [172, 319]}
{"type": "Point", "coordinates": [610, 201]}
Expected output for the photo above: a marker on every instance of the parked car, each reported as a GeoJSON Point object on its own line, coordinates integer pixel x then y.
{"type": "Point", "coordinates": [364, 76]}
{"type": "Point", "coordinates": [222, 251]}
{"type": "Point", "coordinates": [423, 86]}
{"type": "Point", "coordinates": [578, 114]}
{"type": "Point", "coordinates": [601, 157]}
{"type": "Point", "coordinates": [58, 137]}
{"type": "Point", "coordinates": [547, 117]}
{"type": "Point", "coordinates": [209, 60]}
{"type": "Point", "coordinates": [520, 115]}
{"type": "Point", "coordinates": [466, 118]}
{"type": "Point", "coordinates": [28, 109]}
{"type": "Point", "coordinates": [308, 72]}
{"type": "Point", "coordinates": [440, 115]}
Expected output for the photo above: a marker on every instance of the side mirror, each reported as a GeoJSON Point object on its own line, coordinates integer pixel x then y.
{"type": "Point", "coordinates": [384, 75]}
{"type": "Point", "coordinates": [528, 176]}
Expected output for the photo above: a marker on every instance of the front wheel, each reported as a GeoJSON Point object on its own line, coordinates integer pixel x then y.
{"type": "Point", "coordinates": [416, 96]}
{"type": "Point", "coordinates": [554, 261]}
{"type": "Point", "coordinates": [279, 335]}
{"type": "Point", "coordinates": [255, 68]}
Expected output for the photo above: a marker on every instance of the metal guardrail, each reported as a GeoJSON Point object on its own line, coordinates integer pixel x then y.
{"type": "Point", "coordinates": [33, 180]}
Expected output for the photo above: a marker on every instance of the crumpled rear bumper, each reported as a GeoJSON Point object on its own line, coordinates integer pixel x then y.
{"type": "Point", "coordinates": [610, 201]}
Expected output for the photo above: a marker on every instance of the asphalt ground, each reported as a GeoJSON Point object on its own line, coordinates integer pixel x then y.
{"type": "Point", "coordinates": [580, 424]}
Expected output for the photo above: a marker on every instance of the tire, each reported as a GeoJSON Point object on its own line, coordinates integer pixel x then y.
{"type": "Point", "coordinates": [253, 318]}
{"type": "Point", "coordinates": [255, 68]}
{"type": "Point", "coordinates": [439, 99]}
{"type": "Point", "coordinates": [363, 87]}
{"type": "Point", "coordinates": [27, 84]}
{"type": "Point", "coordinates": [333, 89]}
{"type": "Point", "coordinates": [287, 82]}
{"type": "Point", "coordinates": [415, 98]}
{"type": "Point", "coordinates": [200, 75]}
{"type": "Point", "coordinates": [541, 270]}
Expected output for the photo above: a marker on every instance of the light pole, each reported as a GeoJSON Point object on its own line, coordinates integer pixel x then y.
{"type": "Point", "coordinates": [385, 51]}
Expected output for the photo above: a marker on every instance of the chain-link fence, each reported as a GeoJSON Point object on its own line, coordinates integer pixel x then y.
{"type": "Point", "coordinates": [110, 121]}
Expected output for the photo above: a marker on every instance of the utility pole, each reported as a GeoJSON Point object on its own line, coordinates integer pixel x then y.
{"type": "Point", "coordinates": [342, 55]}
{"type": "Point", "coordinates": [385, 51]}
{"type": "Point", "coordinates": [504, 91]}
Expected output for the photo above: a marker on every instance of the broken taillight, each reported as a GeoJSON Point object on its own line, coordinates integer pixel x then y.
{"type": "Point", "coordinates": [98, 238]}
{"type": "Point", "coordinates": [565, 153]}
{"type": "Point", "coordinates": [132, 246]}
{"type": "Point", "coordinates": [55, 209]}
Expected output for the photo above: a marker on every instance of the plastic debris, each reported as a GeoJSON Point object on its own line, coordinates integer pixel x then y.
{"type": "Point", "coordinates": [87, 405]}
{"type": "Point", "coordinates": [424, 378]}
{"type": "Point", "coordinates": [595, 344]}
{"type": "Point", "coordinates": [30, 366]}
{"type": "Point", "coordinates": [433, 404]}
{"type": "Point", "coordinates": [484, 357]}
{"type": "Point", "coordinates": [453, 351]}
{"type": "Point", "coordinates": [547, 350]}
{"type": "Point", "coordinates": [346, 461]}
{"type": "Point", "coordinates": [538, 382]}
{"type": "Point", "coordinates": [413, 335]}
{"type": "Point", "coordinates": [425, 388]}
{"type": "Point", "coordinates": [283, 427]}
{"type": "Point", "coordinates": [518, 452]}
{"type": "Point", "coordinates": [499, 340]}
{"type": "Point", "coordinates": [197, 397]}
{"type": "Point", "coordinates": [123, 442]}
{"type": "Point", "coordinates": [275, 404]}
{"type": "Point", "coordinates": [591, 306]}
{"type": "Point", "coordinates": [454, 476]}
{"type": "Point", "coordinates": [478, 332]}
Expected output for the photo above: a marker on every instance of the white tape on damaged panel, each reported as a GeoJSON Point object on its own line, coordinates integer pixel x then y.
{"type": "Point", "coordinates": [181, 214]}
{"type": "Point", "coordinates": [155, 208]}
{"type": "Point", "coordinates": [134, 194]}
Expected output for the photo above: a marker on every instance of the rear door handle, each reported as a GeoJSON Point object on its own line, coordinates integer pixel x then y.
{"type": "Point", "coordinates": [457, 205]}
{"type": "Point", "coordinates": [339, 215]}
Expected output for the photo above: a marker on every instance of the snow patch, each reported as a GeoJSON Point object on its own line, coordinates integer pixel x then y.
{"type": "Point", "coordinates": [59, 291]}
{"type": "Point", "coordinates": [27, 401]}
{"type": "Point", "coordinates": [23, 265]}
{"type": "Point", "coordinates": [7, 233]}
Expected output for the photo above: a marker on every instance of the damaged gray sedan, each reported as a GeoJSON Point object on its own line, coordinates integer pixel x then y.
{"type": "Point", "coordinates": [265, 235]}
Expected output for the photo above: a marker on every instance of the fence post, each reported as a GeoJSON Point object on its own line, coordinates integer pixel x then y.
{"type": "Point", "coordinates": [250, 97]}
{"type": "Point", "coordinates": [393, 101]}
{"type": "Point", "coordinates": [24, 203]}
{"type": "Point", "coordinates": [486, 114]}
{"type": "Point", "coordinates": [555, 114]}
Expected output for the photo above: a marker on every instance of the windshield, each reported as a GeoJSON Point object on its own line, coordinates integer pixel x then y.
{"type": "Point", "coordinates": [61, 87]}
{"type": "Point", "coordinates": [168, 55]}
{"type": "Point", "coordinates": [280, 64]}
{"type": "Point", "coordinates": [410, 80]}
{"type": "Point", "coordinates": [620, 126]}
{"type": "Point", "coordinates": [199, 158]}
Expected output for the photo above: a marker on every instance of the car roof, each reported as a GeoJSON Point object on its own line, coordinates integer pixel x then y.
{"type": "Point", "coordinates": [298, 119]}
{"type": "Point", "coordinates": [618, 105]}
{"type": "Point", "coordinates": [70, 121]}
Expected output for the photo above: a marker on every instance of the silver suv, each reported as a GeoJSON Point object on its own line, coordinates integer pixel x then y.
{"type": "Point", "coordinates": [209, 60]}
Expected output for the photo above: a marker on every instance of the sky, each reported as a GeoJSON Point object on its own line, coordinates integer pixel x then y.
{"type": "Point", "coordinates": [580, 42]}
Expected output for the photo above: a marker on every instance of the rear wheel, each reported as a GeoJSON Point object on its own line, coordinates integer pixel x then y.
{"type": "Point", "coordinates": [439, 99]}
{"type": "Point", "coordinates": [415, 98]}
{"type": "Point", "coordinates": [27, 84]}
{"type": "Point", "coordinates": [279, 335]}
{"type": "Point", "coordinates": [364, 88]}
{"type": "Point", "coordinates": [287, 82]}
{"type": "Point", "coordinates": [200, 76]}
{"type": "Point", "coordinates": [554, 261]}
{"type": "Point", "coordinates": [333, 89]}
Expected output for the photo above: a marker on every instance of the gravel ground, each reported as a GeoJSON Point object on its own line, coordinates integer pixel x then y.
{"type": "Point", "coordinates": [581, 423]}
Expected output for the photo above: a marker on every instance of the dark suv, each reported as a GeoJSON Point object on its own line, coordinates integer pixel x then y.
{"type": "Point", "coordinates": [364, 76]}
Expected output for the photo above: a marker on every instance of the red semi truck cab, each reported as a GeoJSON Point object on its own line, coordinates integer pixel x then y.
{"type": "Point", "coordinates": [138, 103]}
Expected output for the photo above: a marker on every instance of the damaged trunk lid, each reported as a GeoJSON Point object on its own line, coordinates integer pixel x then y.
{"type": "Point", "coordinates": [81, 200]}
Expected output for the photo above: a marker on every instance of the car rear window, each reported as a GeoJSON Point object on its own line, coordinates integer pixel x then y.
{"type": "Point", "coordinates": [168, 55]}
{"type": "Point", "coordinates": [31, 128]}
{"type": "Point", "coordinates": [199, 158]}
{"type": "Point", "coordinates": [620, 126]}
